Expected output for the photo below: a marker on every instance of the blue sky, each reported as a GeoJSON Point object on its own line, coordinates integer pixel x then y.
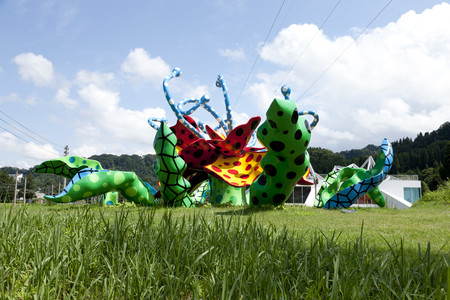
{"type": "Point", "coordinates": [88, 74]}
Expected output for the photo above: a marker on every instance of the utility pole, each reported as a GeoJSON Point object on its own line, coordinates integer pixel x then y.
{"type": "Point", "coordinates": [25, 192]}
{"type": "Point", "coordinates": [15, 188]}
{"type": "Point", "coordinates": [66, 152]}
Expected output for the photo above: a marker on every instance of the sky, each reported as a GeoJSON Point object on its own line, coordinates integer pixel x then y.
{"type": "Point", "coordinates": [88, 74]}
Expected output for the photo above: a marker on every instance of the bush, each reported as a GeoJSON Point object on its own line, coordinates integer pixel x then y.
{"type": "Point", "coordinates": [439, 196]}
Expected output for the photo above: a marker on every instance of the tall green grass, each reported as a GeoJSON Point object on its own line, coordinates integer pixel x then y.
{"type": "Point", "coordinates": [441, 196]}
{"type": "Point", "coordinates": [82, 253]}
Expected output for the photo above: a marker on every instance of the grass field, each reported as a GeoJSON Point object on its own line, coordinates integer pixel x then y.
{"type": "Point", "coordinates": [82, 251]}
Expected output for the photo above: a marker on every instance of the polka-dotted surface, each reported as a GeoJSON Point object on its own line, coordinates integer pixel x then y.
{"type": "Point", "coordinates": [238, 171]}
{"type": "Point", "coordinates": [183, 134]}
{"type": "Point", "coordinates": [89, 182]}
{"type": "Point", "coordinates": [286, 137]}
{"type": "Point", "coordinates": [237, 139]}
{"type": "Point", "coordinates": [199, 154]}
{"type": "Point", "coordinates": [223, 193]}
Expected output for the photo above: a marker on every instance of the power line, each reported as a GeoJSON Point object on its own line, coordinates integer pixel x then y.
{"type": "Point", "coordinates": [307, 46]}
{"type": "Point", "coordinates": [259, 53]}
{"type": "Point", "coordinates": [342, 53]}
{"type": "Point", "coordinates": [27, 141]}
{"type": "Point", "coordinates": [23, 126]}
{"type": "Point", "coordinates": [38, 141]}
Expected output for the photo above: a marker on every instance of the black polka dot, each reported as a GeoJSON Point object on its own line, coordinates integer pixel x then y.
{"type": "Point", "coordinates": [183, 132]}
{"type": "Point", "coordinates": [294, 117]}
{"type": "Point", "coordinates": [190, 164]}
{"type": "Point", "coordinates": [277, 146]}
{"type": "Point", "coordinates": [264, 131]}
{"type": "Point", "coordinates": [188, 151]}
{"type": "Point", "coordinates": [173, 130]}
{"type": "Point", "coordinates": [280, 113]}
{"type": "Point", "coordinates": [306, 143]}
{"type": "Point", "coordinates": [262, 180]}
{"type": "Point", "coordinates": [299, 160]}
{"type": "Point", "coordinates": [254, 125]}
{"type": "Point", "coordinates": [298, 134]}
{"type": "Point", "coordinates": [291, 175]}
{"type": "Point", "coordinates": [292, 151]}
{"type": "Point", "coordinates": [227, 142]}
{"type": "Point", "coordinates": [270, 170]}
{"type": "Point", "coordinates": [203, 163]}
{"type": "Point", "coordinates": [191, 136]}
{"type": "Point", "coordinates": [278, 198]}
{"type": "Point", "coordinates": [236, 146]}
{"type": "Point", "coordinates": [281, 158]}
{"type": "Point", "coordinates": [279, 185]}
{"type": "Point", "coordinates": [264, 195]}
{"type": "Point", "coordinates": [239, 132]}
{"type": "Point", "coordinates": [286, 132]}
{"type": "Point", "coordinates": [198, 153]}
{"type": "Point", "coordinates": [308, 127]}
{"type": "Point", "coordinates": [272, 124]}
{"type": "Point", "coordinates": [255, 200]}
{"type": "Point", "coordinates": [213, 156]}
{"type": "Point", "coordinates": [179, 141]}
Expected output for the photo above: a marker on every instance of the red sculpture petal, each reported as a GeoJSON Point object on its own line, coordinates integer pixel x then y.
{"type": "Point", "coordinates": [183, 134]}
{"type": "Point", "coordinates": [214, 135]}
{"type": "Point", "coordinates": [304, 180]}
{"type": "Point", "coordinates": [237, 139]}
{"type": "Point", "coordinates": [199, 154]}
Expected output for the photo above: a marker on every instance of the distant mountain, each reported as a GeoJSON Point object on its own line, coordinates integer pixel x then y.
{"type": "Point", "coordinates": [426, 150]}
{"type": "Point", "coordinates": [426, 154]}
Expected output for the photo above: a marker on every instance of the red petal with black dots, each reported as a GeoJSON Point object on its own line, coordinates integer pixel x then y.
{"type": "Point", "coordinates": [183, 134]}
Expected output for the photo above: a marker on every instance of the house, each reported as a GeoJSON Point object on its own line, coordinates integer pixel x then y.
{"type": "Point", "coordinates": [400, 191]}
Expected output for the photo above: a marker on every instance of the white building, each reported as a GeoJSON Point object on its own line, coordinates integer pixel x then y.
{"type": "Point", "coordinates": [400, 191]}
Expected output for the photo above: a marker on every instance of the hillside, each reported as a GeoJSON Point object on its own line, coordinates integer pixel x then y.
{"type": "Point", "coordinates": [428, 155]}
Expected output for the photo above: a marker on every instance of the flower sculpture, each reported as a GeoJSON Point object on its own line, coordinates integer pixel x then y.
{"type": "Point", "coordinates": [192, 157]}
{"type": "Point", "coordinates": [228, 160]}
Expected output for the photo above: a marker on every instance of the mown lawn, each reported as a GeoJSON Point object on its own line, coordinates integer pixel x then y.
{"type": "Point", "coordinates": [87, 251]}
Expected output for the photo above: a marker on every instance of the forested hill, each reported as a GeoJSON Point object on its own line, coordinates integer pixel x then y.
{"type": "Point", "coordinates": [141, 165]}
{"type": "Point", "coordinates": [428, 155]}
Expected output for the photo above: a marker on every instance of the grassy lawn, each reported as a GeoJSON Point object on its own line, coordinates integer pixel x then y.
{"type": "Point", "coordinates": [87, 251]}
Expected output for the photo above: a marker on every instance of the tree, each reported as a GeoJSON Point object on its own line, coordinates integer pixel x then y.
{"type": "Point", "coordinates": [445, 170]}
{"type": "Point", "coordinates": [6, 187]}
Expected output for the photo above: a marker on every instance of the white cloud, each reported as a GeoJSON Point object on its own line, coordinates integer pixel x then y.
{"type": "Point", "coordinates": [235, 55]}
{"type": "Point", "coordinates": [10, 98]}
{"type": "Point", "coordinates": [24, 154]}
{"type": "Point", "coordinates": [100, 79]}
{"type": "Point", "coordinates": [63, 97]}
{"type": "Point", "coordinates": [35, 68]}
{"type": "Point", "coordinates": [109, 128]}
{"type": "Point", "coordinates": [141, 66]}
{"type": "Point", "coordinates": [393, 82]}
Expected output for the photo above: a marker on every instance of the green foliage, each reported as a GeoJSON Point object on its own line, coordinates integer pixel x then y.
{"type": "Point", "coordinates": [323, 160]}
{"type": "Point", "coordinates": [6, 187]}
{"type": "Point", "coordinates": [83, 253]}
{"type": "Point", "coordinates": [141, 165]}
{"type": "Point", "coordinates": [438, 197]}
